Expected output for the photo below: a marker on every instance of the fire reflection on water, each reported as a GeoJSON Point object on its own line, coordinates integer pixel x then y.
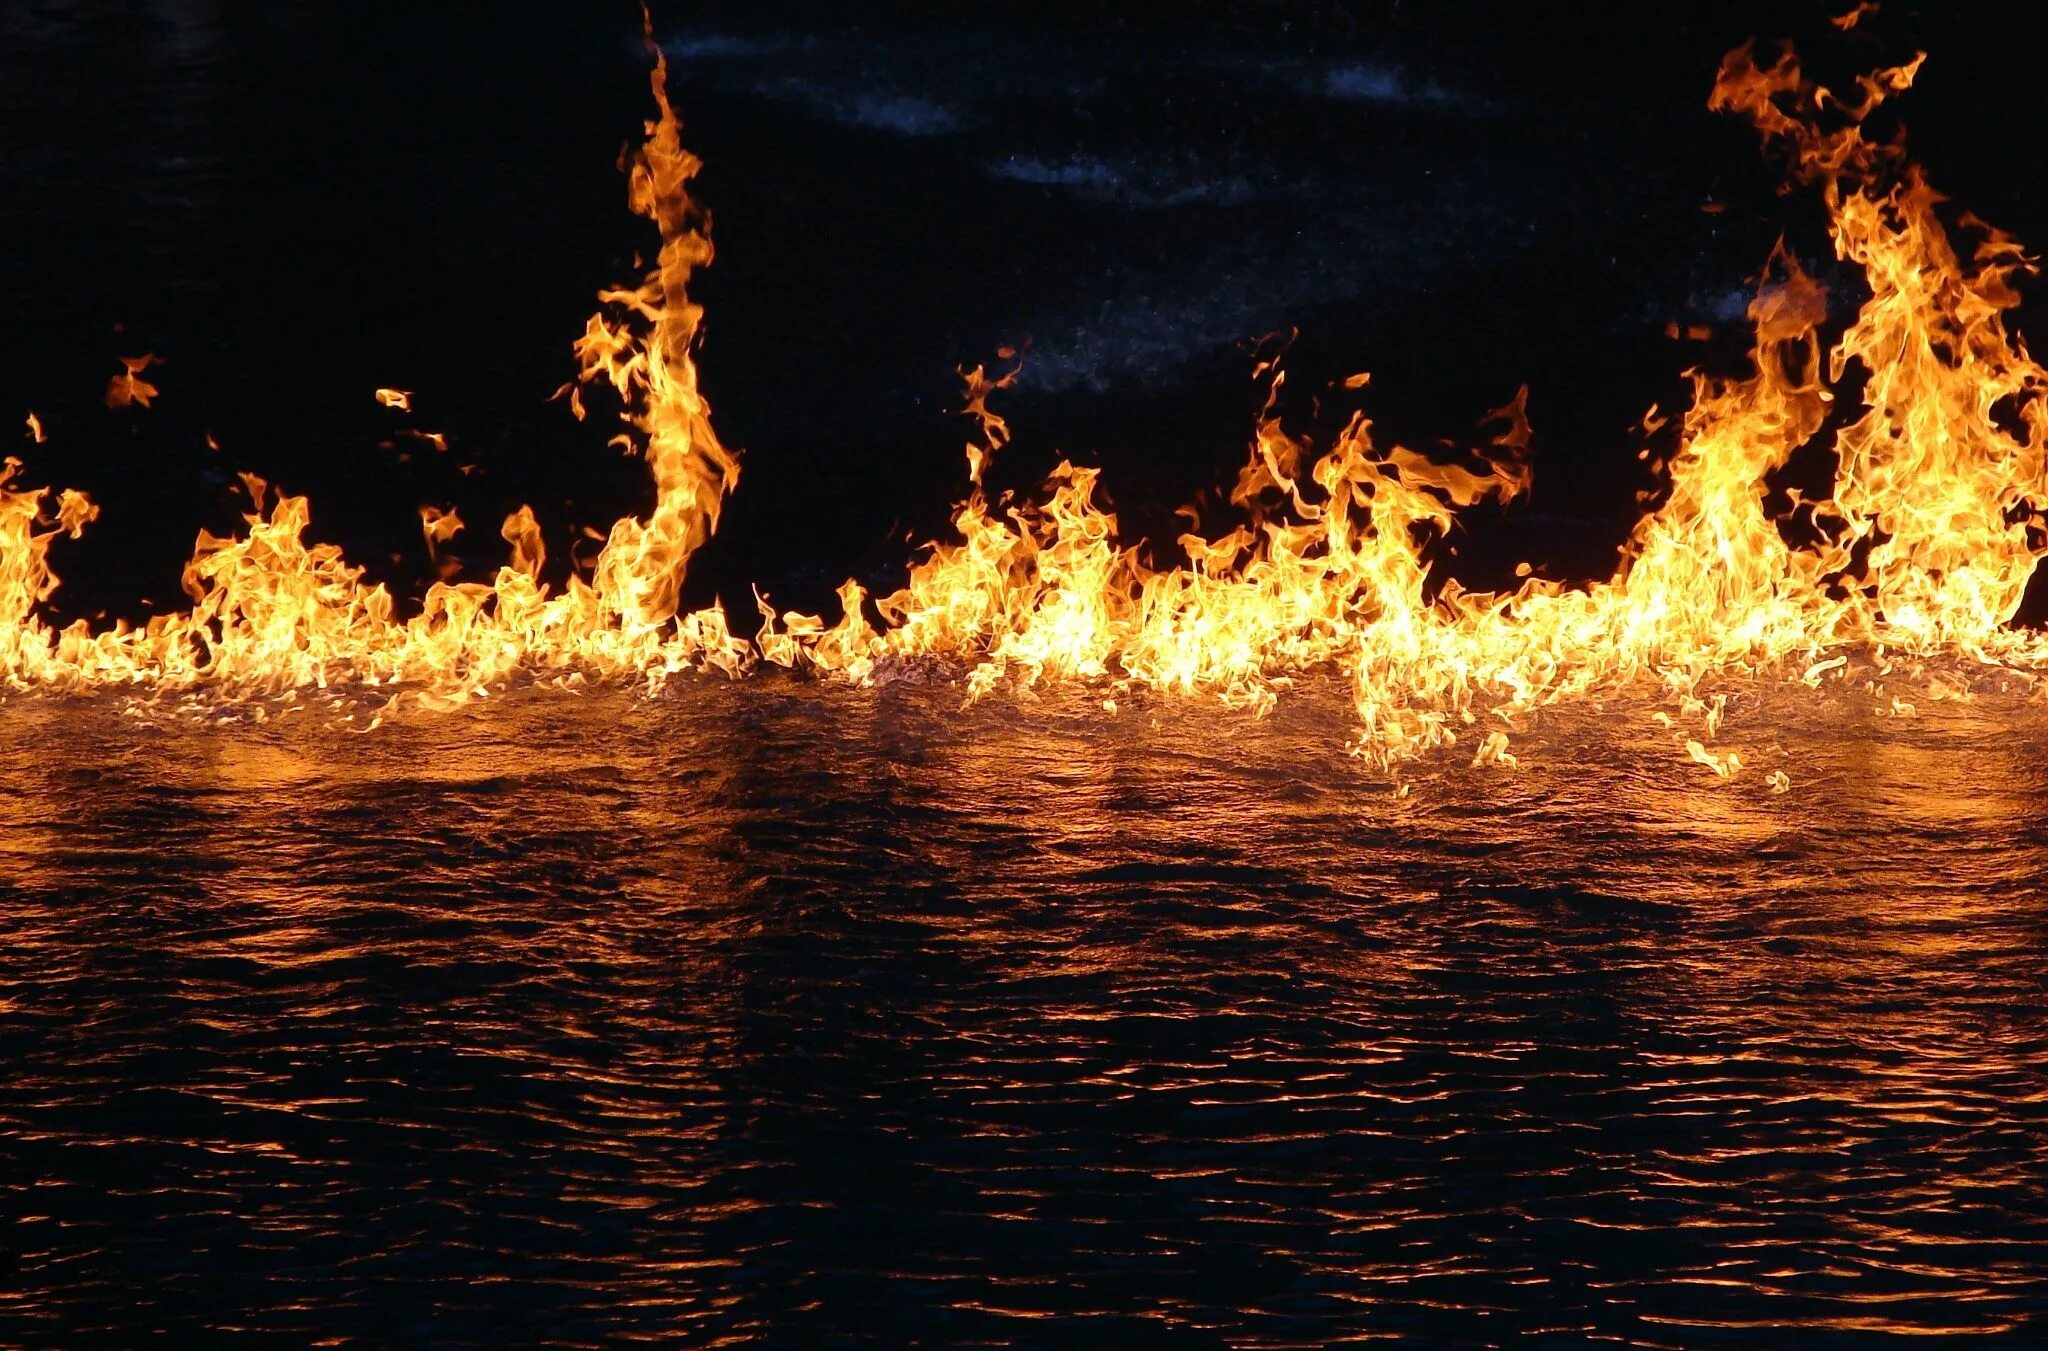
{"type": "Point", "coordinates": [804, 1011]}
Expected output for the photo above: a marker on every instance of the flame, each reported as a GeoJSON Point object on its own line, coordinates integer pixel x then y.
{"type": "Point", "coordinates": [35, 429]}
{"type": "Point", "coordinates": [1924, 548]}
{"type": "Point", "coordinates": [439, 525]}
{"type": "Point", "coordinates": [272, 613]}
{"type": "Point", "coordinates": [640, 344]}
{"type": "Point", "coordinates": [1935, 414]}
{"type": "Point", "coordinates": [129, 387]}
{"type": "Point", "coordinates": [27, 527]}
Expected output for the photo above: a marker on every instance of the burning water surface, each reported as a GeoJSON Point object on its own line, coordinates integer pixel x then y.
{"type": "Point", "coordinates": [1900, 582]}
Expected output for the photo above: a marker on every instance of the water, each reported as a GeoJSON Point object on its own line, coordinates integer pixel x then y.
{"type": "Point", "coordinates": [792, 1016]}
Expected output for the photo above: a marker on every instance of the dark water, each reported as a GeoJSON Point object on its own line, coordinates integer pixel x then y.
{"type": "Point", "coordinates": [782, 1016]}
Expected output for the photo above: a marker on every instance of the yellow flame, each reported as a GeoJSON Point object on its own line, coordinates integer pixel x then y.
{"type": "Point", "coordinates": [640, 343]}
{"type": "Point", "coordinates": [1926, 544]}
{"type": "Point", "coordinates": [272, 612]}
{"type": "Point", "coordinates": [27, 526]}
{"type": "Point", "coordinates": [439, 525]}
{"type": "Point", "coordinates": [1920, 551]}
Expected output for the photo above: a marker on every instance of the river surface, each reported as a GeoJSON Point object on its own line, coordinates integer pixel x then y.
{"type": "Point", "coordinates": [782, 1015]}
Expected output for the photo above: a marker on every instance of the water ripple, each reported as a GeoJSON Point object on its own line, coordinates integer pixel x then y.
{"type": "Point", "coordinates": [776, 1016]}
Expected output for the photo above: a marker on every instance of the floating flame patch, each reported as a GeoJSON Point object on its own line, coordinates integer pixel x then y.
{"type": "Point", "coordinates": [129, 388]}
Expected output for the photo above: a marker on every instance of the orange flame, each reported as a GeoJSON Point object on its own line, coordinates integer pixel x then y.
{"type": "Point", "coordinates": [1933, 529]}
{"type": "Point", "coordinates": [271, 612]}
{"type": "Point", "coordinates": [1919, 554]}
{"type": "Point", "coordinates": [640, 343]}
{"type": "Point", "coordinates": [439, 526]}
{"type": "Point", "coordinates": [129, 387]}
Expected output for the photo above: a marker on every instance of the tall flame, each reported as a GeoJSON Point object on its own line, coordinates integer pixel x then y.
{"type": "Point", "coordinates": [1921, 551]}
{"type": "Point", "coordinates": [27, 527]}
{"type": "Point", "coordinates": [641, 344]}
{"type": "Point", "coordinates": [272, 613]}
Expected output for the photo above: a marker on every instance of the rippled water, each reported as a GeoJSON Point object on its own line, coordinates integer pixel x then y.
{"type": "Point", "coordinates": [786, 1016]}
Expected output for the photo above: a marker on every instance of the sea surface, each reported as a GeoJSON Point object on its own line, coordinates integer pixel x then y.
{"type": "Point", "coordinates": [777, 1014]}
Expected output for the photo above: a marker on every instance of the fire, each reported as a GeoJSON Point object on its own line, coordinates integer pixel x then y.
{"type": "Point", "coordinates": [640, 344]}
{"type": "Point", "coordinates": [272, 614]}
{"type": "Point", "coordinates": [27, 526]}
{"type": "Point", "coordinates": [1925, 546]}
{"type": "Point", "coordinates": [129, 387]}
{"type": "Point", "coordinates": [1917, 557]}
{"type": "Point", "coordinates": [439, 525]}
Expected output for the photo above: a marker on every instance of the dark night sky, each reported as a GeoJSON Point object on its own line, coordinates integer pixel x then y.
{"type": "Point", "coordinates": [294, 205]}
